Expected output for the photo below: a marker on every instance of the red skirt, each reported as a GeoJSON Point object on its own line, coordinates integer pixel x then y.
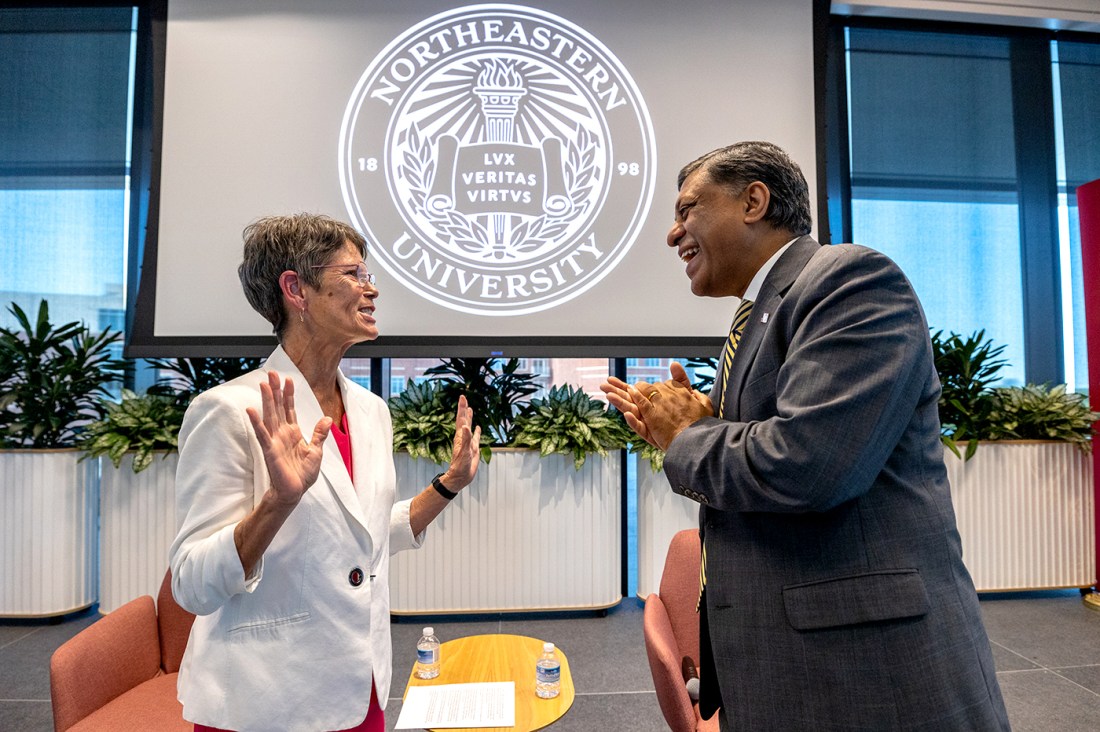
{"type": "Point", "coordinates": [375, 721]}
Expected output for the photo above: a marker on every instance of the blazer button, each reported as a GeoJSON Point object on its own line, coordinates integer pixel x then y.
{"type": "Point", "coordinates": [355, 577]}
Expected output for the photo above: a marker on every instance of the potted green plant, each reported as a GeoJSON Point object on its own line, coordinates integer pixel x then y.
{"type": "Point", "coordinates": [52, 380]}
{"type": "Point", "coordinates": [1024, 501]}
{"type": "Point", "coordinates": [545, 488]}
{"type": "Point", "coordinates": [1042, 413]}
{"type": "Point", "coordinates": [138, 427]}
{"type": "Point", "coordinates": [568, 421]}
{"type": "Point", "coordinates": [137, 493]}
{"type": "Point", "coordinates": [423, 422]}
{"type": "Point", "coordinates": [135, 444]}
{"type": "Point", "coordinates": [967, 368]}
{"type": "Point", "coordinates": [496, 394]}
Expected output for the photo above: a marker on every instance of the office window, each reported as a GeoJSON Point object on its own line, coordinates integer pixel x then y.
{"type": "Point", "coordinates": [65, 96]}
{"type": "Point", "coordinates": [402, 370]}
{"type": "Point", "coordinates": [656, 370]}
{"type": "Point", "coordinates": [357, 370]}
{"type": "Point", "coordinates": [933, 175]}
{"type": "Point", "coordinates": [965, 148]}
{"type": "Point", "coordinates": [1077, 104]}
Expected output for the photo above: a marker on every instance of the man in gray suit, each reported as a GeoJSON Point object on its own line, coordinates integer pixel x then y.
{"type": "Point", "coordinates": [835, 594]}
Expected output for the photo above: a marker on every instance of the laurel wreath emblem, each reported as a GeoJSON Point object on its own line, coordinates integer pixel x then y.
{"type": "Point", "coordinates": [469, 235]}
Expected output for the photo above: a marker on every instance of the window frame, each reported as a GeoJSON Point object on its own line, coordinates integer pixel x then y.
{"type": "Point", "coordinates": [1034, 122]}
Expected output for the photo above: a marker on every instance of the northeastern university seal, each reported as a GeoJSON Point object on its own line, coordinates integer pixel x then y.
{"type": "Point", "coordinates": [500, 158]}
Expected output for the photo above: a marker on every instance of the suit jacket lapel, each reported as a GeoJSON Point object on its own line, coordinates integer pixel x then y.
{"type": "Point", "coordinates": [775, 286]}
{"type": "Point", "coordinates": [358, 420]}
{"type": "Point", "coordinates": [333, 471]}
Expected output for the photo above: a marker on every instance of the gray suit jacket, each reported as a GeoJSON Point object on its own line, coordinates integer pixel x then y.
{"type": "Point", "coordinates": [836, 596]}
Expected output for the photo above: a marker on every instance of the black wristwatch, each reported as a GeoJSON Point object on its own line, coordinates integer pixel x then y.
{"type": "Point", "coordinates": [442, 489]}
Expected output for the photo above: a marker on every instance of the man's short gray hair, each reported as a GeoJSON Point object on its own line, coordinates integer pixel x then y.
{"type": "Point", "coordinates": [742, 163]}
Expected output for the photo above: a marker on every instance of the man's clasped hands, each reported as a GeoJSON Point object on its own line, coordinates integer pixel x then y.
{"type": "Point", "coordinates": [659, 412]}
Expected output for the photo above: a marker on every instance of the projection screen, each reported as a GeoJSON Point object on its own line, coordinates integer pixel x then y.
{"type": "Point", "coordinates": [513, 168]}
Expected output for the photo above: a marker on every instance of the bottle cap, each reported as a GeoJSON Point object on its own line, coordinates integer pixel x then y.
{"type": "Point", "coordinates": [547, 647]}
{"type": "Point", "coordinates": [429, 631]}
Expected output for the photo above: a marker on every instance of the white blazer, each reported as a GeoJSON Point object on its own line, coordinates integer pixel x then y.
{"type": "Point", "coordinates": [296, 645]}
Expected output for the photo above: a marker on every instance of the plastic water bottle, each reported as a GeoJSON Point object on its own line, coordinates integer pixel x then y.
{"type": "Point", "coordinates": [548, 673]}
{"type": "Point", "coordinates": [427, 655]}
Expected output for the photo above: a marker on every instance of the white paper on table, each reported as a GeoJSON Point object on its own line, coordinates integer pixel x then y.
{"type": "Point", "coordinates": [489, 704]}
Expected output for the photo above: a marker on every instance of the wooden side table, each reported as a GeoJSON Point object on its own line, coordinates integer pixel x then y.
{"type": "Point", "coordinates": [498, 657]}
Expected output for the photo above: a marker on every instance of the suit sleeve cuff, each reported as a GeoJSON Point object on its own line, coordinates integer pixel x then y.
{"type": "Point", "coordinates": [401, 535]}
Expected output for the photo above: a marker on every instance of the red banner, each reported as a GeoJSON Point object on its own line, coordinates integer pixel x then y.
{"type": "Point", "coordinates": [1088, 207]}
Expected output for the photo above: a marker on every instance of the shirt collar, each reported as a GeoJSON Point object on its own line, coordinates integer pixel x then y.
{"type": "Point", "coordinates": [753, 290]}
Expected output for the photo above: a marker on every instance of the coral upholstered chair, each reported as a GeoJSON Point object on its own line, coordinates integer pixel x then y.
{"type": "Point", "coordinates": [671, 627]}
{"type": "Point", "coordinates": [120, 672]}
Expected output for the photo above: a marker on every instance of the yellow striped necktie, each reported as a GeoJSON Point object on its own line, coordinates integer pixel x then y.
{"type": "Point", "coordinates": [740, 319]}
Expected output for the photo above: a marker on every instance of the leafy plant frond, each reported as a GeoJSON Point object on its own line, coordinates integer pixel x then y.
{"type": "Point", "coordinates": [138, 424]}
{"type": "Point", "coordinates": [495, 393]}
{"type": "Point", "coordinates": [53, 379]}
{"type": "Point", "coordinates": [967, 367]}
{"type": "Point", "coordinates": [708, 367]}
{"type": "Point", "coordinates": [646, 451]}
{"type": "Point", "coordinates": [570, 422]}
{"type": "Point", "coordinates": [1042, 413]}
{"type": "Point", "coordinates": [973, 409]}
{"type": "Point", "coordinates": [192, 376]}
{"type": "Point", "coordinates": [424, 423]}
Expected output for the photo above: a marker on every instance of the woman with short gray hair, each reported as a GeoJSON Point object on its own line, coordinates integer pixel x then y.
{"type": "Point", "coordinates": [284, 541]}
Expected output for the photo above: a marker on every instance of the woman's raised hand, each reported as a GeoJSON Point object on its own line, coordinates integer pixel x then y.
{"type": "Point", "coordinates": [292, 463]}
{"type": "Point", "coordinates": [466, 451]}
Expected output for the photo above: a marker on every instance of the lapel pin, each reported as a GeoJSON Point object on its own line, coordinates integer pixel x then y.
{"type": "Point", "coordinates": [764, 318]}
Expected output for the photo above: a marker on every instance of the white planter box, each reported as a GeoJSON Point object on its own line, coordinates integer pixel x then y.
{"type": "Point", "coordinates": [1025, 514]}
{"type": "Point", "coordinates": [527, 534]}
{"type": "Point", "coordinates": [137, 526]}
{"type": "Point", "coordinates": [661, 513]}
{"type": "Point", "coordinates": [48, 510]}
